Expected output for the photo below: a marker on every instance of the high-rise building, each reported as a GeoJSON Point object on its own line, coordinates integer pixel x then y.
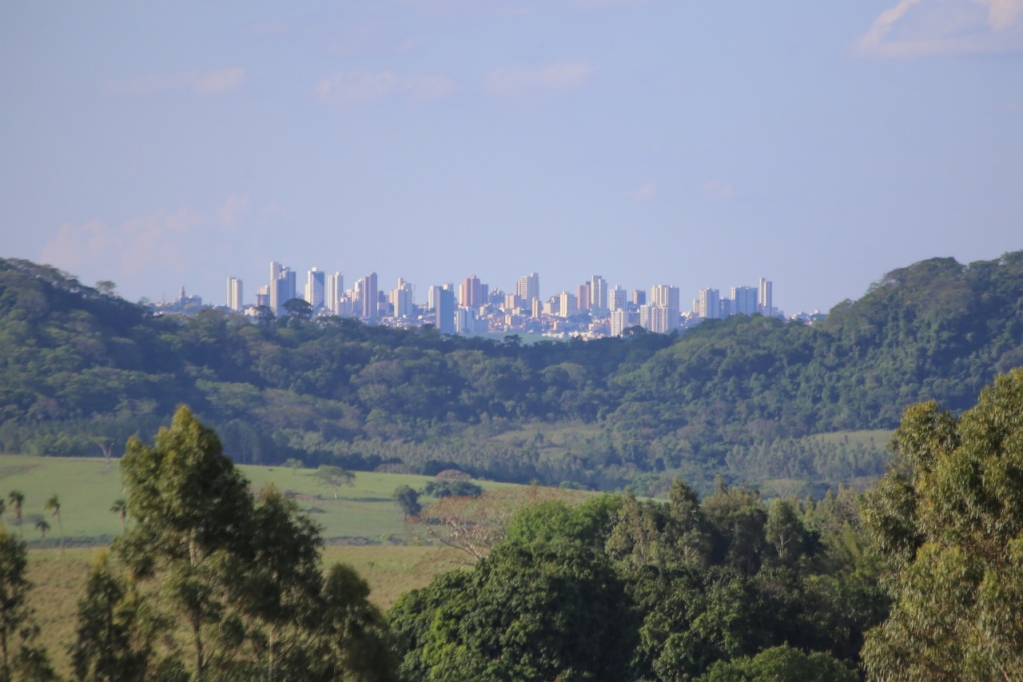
{"type": "Point", "coordinates": [403, 299]}
{"type": "Point", "coordinates": [334, 291]}
{"type": "Point", "coordinates": [367, 297]}
{"type": "Point", "coordinates": [765, 304]}
{"type": "Point", "coordinates": [663, 298]}
{"type": "Point", "coordinates": [618, 299]}
{"type": "Point", "coordinates": [584, 295]}
{"type": "Point", "coordinates": [744, 300]}
{"type": "Point", "coordinates": [619, 321]}
{"type": "Point", "coordinates": [282, 286]}
{"type": "Point", "coordinates": [471, 293]}
{"type": "Point", "coordinates": [528, 287]}
{"type": "Point", "coordinates": [708, 304]}
{"type": "Point", "coordinates": [638, 297]}
{"type": "Point", "coordinates": [567, 304]}
{"type": "Point", "coordinates": [537, 308]}
{"type": "Point", "coordinates": [263, 296]}
{"type": "Point", "coordinates": [315, 288]}
{"type": "Point", "coordinates": [275, 275]}
{"type": "Point", "coordinates": [442, 303]}
{"type": "Point", "coordinates": [725, 308]}
{"type": "Point", "coordinates": [598, 294]}
{"type": "Point", "coordinates": [234, 293]}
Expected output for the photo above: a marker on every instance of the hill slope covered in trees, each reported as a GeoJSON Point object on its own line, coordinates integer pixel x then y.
{"type": "Point", "coordinates": [728, 397]}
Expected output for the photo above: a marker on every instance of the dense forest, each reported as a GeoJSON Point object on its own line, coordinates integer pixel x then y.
{"type": "Point", "coordinates": [81, 370]}
{"type": "Point", "coordinates": [918, 579]}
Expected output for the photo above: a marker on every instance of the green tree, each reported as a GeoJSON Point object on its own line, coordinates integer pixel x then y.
{"type": "Point", "coordinates": [18, 630]}
{"type": "Point", "coordinates": [294, 464]}
{"type": "Point", "coordinates": [43, 526]}
{"type": "Point", "coordinates": [781, 664]}
{"type": "Point", "coordinates": [192, 510]}
{"type": "Point", "coordinates": [408, 499]}
{"type": "Point", "coordinates": [334, 477]}
{"type": "Point", "coordinates": [120, 507]}
{"type": "Point", "coordinates": [17, 500]}
{"type": "Point", "coordinates": [111, 644]}
{"type": "Point", "coordinates": [949, 521]}
{"type": "Point", "coordinates": [53, 506]}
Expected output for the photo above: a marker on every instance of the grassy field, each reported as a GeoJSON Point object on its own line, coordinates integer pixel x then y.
{"type": "Point", "coordinates": [363, 513]}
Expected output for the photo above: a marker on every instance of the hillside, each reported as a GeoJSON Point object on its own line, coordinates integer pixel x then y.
{"type": "Point", "coordinates": [736, 397]}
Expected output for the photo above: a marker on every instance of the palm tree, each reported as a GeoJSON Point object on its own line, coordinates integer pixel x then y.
{"type": "Point", "coordinates": [42, 526]}
{"type": "Point", "coordinates": [3, 508]}
{"type": "Point", "coordinates": [17, 498]}
{"type": "Point", "coordinates": [120, 507]}
{"type": "Point", "coordinates": [53, 504]}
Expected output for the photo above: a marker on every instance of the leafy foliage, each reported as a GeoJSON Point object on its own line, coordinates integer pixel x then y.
{"type": "Point", "coordinates": [727, 397]}
{"type": "Point", "coordinates": [949, 523]}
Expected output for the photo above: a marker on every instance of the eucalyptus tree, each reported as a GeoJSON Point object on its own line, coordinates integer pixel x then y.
{"type": "Point", "coordinates": [948, 519]}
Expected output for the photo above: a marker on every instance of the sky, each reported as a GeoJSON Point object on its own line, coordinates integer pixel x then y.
{"type": "Point", "coordinates": [697, 144]}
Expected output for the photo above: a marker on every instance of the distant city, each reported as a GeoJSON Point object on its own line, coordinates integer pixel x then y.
{"type": "Point", "coordinates": [473, 308]}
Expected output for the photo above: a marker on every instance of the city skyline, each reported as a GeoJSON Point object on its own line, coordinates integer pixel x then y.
{"type": "Point", "coordinates": [819, 145]}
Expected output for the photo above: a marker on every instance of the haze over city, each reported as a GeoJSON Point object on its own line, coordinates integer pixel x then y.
{"type": "Point", "coordinates": [695, 145]}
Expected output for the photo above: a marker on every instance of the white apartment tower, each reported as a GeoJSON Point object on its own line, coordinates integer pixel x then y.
{"type": "Point", "coordinates": [619, 321]}
{"type": "Point", "coordinates": [764, 301]}
{"type": "Point", "coordinates": [598, 293]}
{"type": "Point", "coordinates": [315, 286]}
{"type": "Point", "coordinates": [333, 292]}
{"type": "Point", "coordinates": [528, 287]}
{"type": "Point", "coordinates": [664, 297]}
{"type": "Point", "coordinates": [234, 293]}
{"type": "Point", "coordinates": [744, 300]}
{"type": "Point", "coordinates": [403, 299]}
{"type": "Point", "coordinates": [708, 304]}
{"type": "Point", "coordinates": [618, 299]}
{"type": "Point", "coordinates": [367, 306]}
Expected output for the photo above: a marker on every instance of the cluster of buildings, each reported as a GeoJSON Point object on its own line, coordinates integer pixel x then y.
{"type": "Point", "coordinates": [592, 310]}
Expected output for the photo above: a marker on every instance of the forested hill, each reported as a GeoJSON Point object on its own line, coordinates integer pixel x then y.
{"type": "Point", "coordinates": [78, 365]}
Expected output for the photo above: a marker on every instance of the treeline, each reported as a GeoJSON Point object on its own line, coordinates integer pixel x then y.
{"type": "Point", "coordinates": [917, 579]}
{"type": "Point", "coordinates": [78, 365]}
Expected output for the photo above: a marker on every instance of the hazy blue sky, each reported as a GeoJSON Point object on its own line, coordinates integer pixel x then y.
{"type": "Point", "coordinates": [819, 144]}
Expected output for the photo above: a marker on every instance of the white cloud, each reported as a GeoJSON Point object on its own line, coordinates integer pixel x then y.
{"type": "Point", "coordinates": [234, 206]}
{"type": "Point", "coordinates": [140, 244]}
{"type": "Point", "coordinates": [194, 82]}
{"type": "Point", "coordinates": [923, 28]}
{"type": "Point", "coordinates": [716, 189]}
{"type": "Point", "coordinates": [355, 87]}
{"type": "Point", "coordinates": [644, 193]}
{"type": "Point", "coordinates": [514, 81]}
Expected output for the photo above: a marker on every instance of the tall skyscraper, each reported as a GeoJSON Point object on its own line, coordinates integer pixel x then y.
{"type": "Point", "coordinates": [471, 293]}
{"type": "Point", "coordinates": [764, 301]}
{"type": "Point", "coordinates": [664, 298]}
{"type": "Point", "coordinates": [442, 302]}
{"type": "Point", "coordinates": [275, 276]}
{"type": "Point", "coordinates": [567, 304]}
{"type": "Point", "coordinates": [315, 288]}
{"type": "Point", "coordinates": [638, 297]}
{"type": "Point", "coordinates": [368, 297]}
{"type": "Point", "coordinates": [598, 294]}
{"type": "Point", "coordinates": [744, 300]}
{"type": "Point", "coordinates": [335, 289]}
{"type": "Point", "coordinates": [584, 295]}
{"type": "Point", "coordinates": [263, 296]}
{"type": "Point", "coordinates": [234, 293]}
{"type": "Point", "coordinates": [282, 286]}
{"type": "Point", "coordinates": [619, 321]}
{"type": "Point", "coordinates": [617, 299]}
{"type": "Point", "coordinates": [403, 299]}
{"type": "Point", "coordinates": [528, 288]}
{"type": "Point", "coordinates": [708, 304]}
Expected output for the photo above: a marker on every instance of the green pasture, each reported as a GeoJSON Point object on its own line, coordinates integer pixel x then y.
{"type": "Point", "coordinates": [363, 512]}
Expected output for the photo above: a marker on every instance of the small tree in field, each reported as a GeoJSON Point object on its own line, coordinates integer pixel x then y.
{"type": "Point", "coordinates": [53, 506]}
{"type": "Point", "coordinates": [17, 499]}
{"type": "Point", "coordinates": [43, 527]}
{"type": "Point", "coordinates": [120, 507]}
{"type": "Point", "coordinates": [408, 500]}
{"type": "Point", "coordinates": [334, 477]}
